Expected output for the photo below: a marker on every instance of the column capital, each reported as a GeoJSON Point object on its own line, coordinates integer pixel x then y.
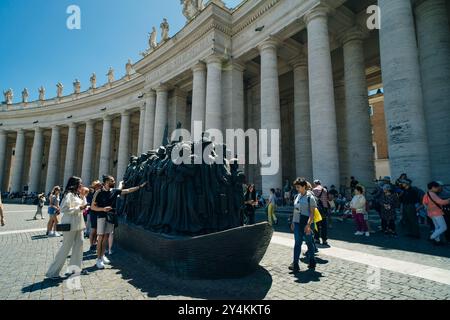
{"type": "Point", "coordinates": [90, 122]}
{"type": "Point", "coordinates": [107, 117]}
{"type": "Point", "coordinates": [72, 125]}
{"type": "Point", "coordinates": [317, 12]}
{"type": "Point", "coordinates": [161, 88]}
{"type": "Point", "coordinates": [236, 65]}
{"type": "Point", "coordinates": [142, 107]}
{"type": "Point", "coordinates": [352, 34]}
{"type": "Point", "coordinates": [270, 43]}
{"type": "Point", "coordinates": [150, 93]}
{"type": "Point", "coordinates": [20, 131]}
{"type": "Point", "coordinates": [301, 61]}
{"type": "Point", "coordinates": [214, 59]}
{"type": "Point", "coordinates": [125, 113]}
{"type": "Point", "coordinates": [37, 129]}
{"type": "Point", "coordinates": [199, 66]}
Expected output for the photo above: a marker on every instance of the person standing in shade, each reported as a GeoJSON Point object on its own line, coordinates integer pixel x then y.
{"type": "Point", "coordinates": [271, 207]}
{"type": "Point", "coordinates": [104, 204]}
{"type": "Point", "coordinates": [324, 207]}
{"type": "Point", "coordinates": [287, 193]}
{"type": "Point", "coordinates": [250, 203]}
{"type": "Point", "coordinates": [53, 212]}
{"type": "Point", "coordinates": [92, 215]}
{"type": "Point", "coordinates": [72, 207]}
{"type": "Point", "coordinates": [434, 206]}
{"type": "Point", "coordinates": [409, 197]}
{"type": "Point", "coordinates": [353, 184]}
{"type": "Point", "coordinates": [302, 221]}
{"type": "Point", "coordinates": [40, 205]}
{"type": "Point", "coordinates": [358, 206]}
{"type": "Point", "coordinates": [388, 210]}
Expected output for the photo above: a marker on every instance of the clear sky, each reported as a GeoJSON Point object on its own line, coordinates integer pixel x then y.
{"type": "Point", "coordinates": [37, 48]}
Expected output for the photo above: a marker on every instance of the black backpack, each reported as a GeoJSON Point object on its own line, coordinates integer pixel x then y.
{"type": "Point", "coordinates": [320, 206]}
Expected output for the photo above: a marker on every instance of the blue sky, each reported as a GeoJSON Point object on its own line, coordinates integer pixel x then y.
{"type": "Point", "coordinates": [36, 47]}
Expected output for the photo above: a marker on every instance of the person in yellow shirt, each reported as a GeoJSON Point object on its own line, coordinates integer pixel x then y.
{"type": "Point", "coordinates": [271, 207]}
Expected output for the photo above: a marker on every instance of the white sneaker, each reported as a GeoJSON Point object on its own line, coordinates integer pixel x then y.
{"type": "Point", "coordinates": [367, 234]}
{"type": "Point", "coordinates": [56, 234]}
{"type": "Point", "coordinates": [106, 260]}
{"type": "Point", "coordinates": [358, 233]}
{"type": "Point", "coordinates": [100, 264]}
{"type": "Point", "coordinates": [51, 234]}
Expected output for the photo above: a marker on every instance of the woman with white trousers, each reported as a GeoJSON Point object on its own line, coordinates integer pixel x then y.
{"type": "Point", "coordinates": [72, 207]}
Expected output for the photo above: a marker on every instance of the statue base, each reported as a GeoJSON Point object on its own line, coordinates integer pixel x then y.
{"type": "Point", "coordinates": [232, 253]}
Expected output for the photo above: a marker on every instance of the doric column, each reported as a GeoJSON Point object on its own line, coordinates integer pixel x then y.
{"type": "Point", "coordinates": [36, 160]}
{"type": "Point", "coordinates": [321, 94]}
{"type": "Point", "coordinates": [270, 112]}
{"type": "Point", "coordinates": [141, 129]}
{"type": "Point", "coordinates": [17, 185]}
{"type": "Point", "coordinates": [213, 113]}
{"type": "Point", "coordinates": [358, 127]}
{"type": "Point", "coordinates": [198, 94]}
{"type": "Point", "coordinates": [53, 159]}
{"type": "Point", "coordinates": [88, 153]}
{"type": "Point", "coordinates": [160, 115]}
{"type": "Point", "coordinates": [344, 170]}
{"type": "Point", "coordinates": [403, 99]}
{"type": "Point", "coordinates": [105, 148]}
{"type": "Point", "coordinates": [302, 121]}
{"type": "Point", "coordinates": [233, 95]}
{"type": "Point", "coordinates": [3, 142]}
{"type": "Point", "coordinates": [124, 147]}
{"type": "Point", "coordinates": [433, 34]}
{"type": "Point", "coordinates": [71, 152]}
{"type": "Point", "coordinates": [150, 106]}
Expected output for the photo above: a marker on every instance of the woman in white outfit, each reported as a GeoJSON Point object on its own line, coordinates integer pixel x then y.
{"type": "Point", "coordinates": [72, 207]}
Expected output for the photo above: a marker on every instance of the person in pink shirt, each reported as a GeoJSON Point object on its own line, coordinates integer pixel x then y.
{"type": "Point", "coordinates": [434, 205]}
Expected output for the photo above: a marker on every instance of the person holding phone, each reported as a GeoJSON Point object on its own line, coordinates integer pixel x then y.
{"type": "Point", "coordinates": [72, 207]}
{"type": "Point", "coordinates": [104, 203]}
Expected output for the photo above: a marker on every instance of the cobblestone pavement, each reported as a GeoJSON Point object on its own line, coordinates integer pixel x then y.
{"type": "Point", "coordinates": [25, 257]}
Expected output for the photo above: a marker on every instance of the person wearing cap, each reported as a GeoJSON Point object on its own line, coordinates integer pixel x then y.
{"type": "Point", "coordinates": [435, 211]}
{"type": "Point", "coordinates": [409, 197]}
{"type": "Point", "coordinates": [388, 210]}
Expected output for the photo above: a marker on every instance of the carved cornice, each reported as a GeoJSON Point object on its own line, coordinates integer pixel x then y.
{"type": "Point", "coordinates": [252, 18]}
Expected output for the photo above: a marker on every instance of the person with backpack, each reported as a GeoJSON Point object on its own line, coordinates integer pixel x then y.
{"type": "Point", "coordinates": [434, 206]}
{"type": "Point", "coordinates": [302, 224]}
{"type": "Point", "coordinates": [321, 195]}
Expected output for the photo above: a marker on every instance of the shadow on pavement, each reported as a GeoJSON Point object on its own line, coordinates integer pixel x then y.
{"type": "Point", "coordinates": [44, 284]}
{"type": "Point", "coordinates": [308, 276]}
{"type": "Point", "coordinates": [150, 279]}
{"type": "Point", "coordinates": [344, 231]}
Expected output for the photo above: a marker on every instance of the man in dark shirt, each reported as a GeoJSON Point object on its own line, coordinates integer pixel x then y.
{"type": "Point", "coordinates": [353, 184]}
{"type": "Point", "coordinates": [409, 198]}
{"type": "Point", "coordinates": [104, 202]}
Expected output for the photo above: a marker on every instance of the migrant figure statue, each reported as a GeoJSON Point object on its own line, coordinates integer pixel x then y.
{"type": "Point", "coordinates": [190, 210]}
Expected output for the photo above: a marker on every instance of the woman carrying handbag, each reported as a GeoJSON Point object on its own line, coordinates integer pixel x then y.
{"type": "Point", "coordinates": [72, 223]}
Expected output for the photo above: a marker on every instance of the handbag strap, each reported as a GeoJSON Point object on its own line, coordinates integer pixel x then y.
{"type": "Point", "coordinates": [429, 196]}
